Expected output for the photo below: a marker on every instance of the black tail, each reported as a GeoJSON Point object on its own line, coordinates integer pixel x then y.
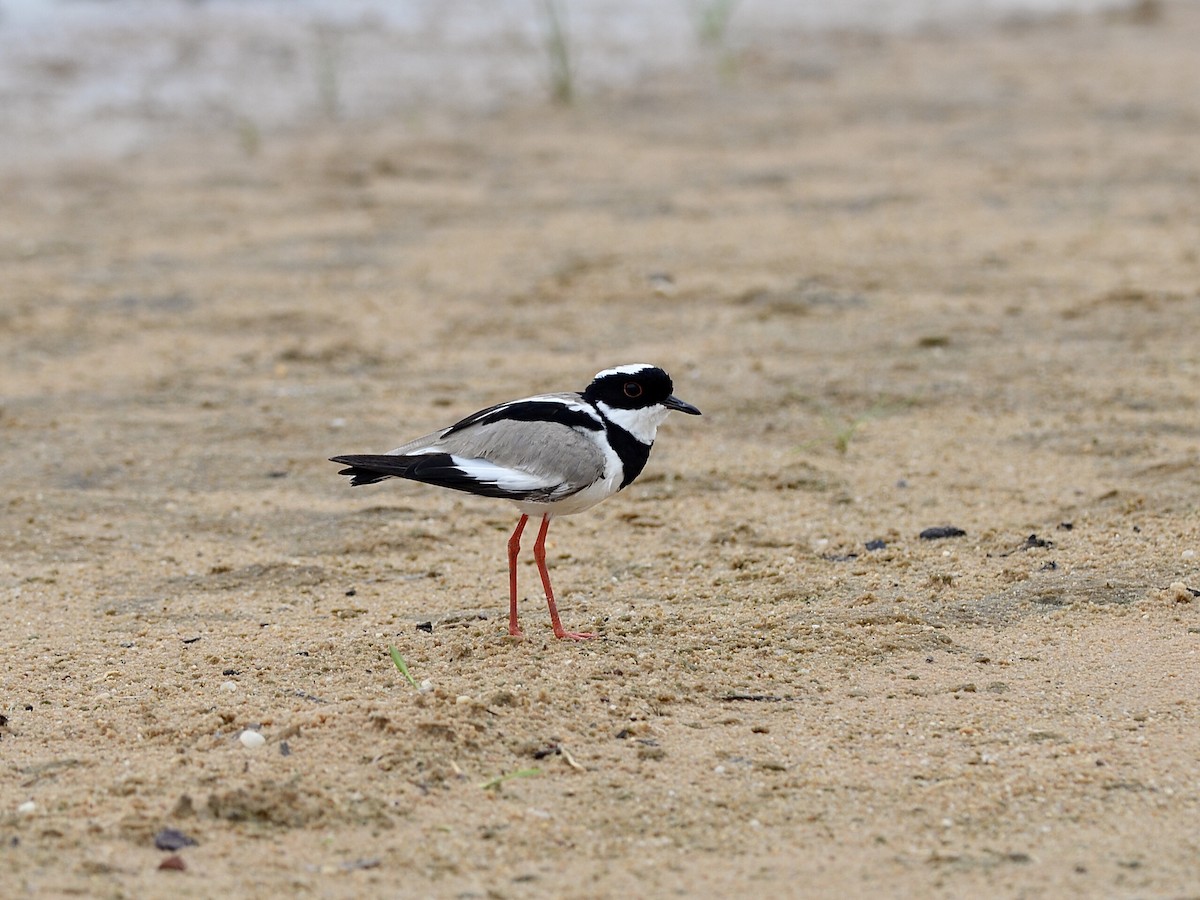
{"type": "Point", "coordinates": [372, 467]}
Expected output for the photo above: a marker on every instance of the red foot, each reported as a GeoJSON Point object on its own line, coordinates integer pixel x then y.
{"type": "Point", "coordinates": [574, 635]}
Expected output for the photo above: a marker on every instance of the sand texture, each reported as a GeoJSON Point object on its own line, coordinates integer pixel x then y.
{"type": "Point", "coordinates": [912, 282]}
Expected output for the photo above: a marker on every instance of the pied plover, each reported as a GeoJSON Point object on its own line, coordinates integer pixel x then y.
{"type": "Point", "coordinates": [551, 455]}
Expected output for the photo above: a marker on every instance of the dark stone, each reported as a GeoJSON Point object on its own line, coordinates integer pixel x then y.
{"type": "Point", "coordinates": [172, 839]}
{"type": "Point", "coordinates": [941, 531]}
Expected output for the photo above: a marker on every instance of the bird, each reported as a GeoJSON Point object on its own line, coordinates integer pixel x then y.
{"type": "Point", "coordinates": [550, 454]}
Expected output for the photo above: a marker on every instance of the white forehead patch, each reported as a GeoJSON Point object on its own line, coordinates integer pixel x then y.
{"type": "Point", "coordinates": [628, 369]}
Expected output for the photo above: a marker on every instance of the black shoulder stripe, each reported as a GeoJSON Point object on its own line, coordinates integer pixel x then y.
{"type": "Point", "coordinates": [529, 411]}
{"type": "Point", "coordinates": [473, 418]}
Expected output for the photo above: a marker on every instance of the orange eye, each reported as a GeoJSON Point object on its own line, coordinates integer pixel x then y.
{"type": "Point", "coordinates": [633, 390]}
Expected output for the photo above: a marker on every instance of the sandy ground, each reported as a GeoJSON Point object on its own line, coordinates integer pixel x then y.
{"type": "Point", "coordinates": [912, 282]}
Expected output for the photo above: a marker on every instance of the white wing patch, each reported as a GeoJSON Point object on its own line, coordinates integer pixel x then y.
{"type": "Point", "coordinates": [506, 479]}
{"type": "Point", "coordinates": [550, 398]}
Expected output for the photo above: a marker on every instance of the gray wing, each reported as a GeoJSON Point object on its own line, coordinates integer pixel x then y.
{"type": "Point", "coordinates": [562, 456]}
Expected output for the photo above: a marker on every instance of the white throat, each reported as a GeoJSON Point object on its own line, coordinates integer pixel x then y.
{"type": "Point", "coordinates": [641, 423]}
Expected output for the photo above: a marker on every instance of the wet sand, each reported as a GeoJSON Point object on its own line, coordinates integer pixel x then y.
{"type": "Point", "coordinates": [912, 282]}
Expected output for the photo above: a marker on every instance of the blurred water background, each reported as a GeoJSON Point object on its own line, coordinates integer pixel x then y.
{"type": "Point", "coordinates": [106, 77]}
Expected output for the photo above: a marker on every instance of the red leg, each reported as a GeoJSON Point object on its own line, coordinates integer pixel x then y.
{"type": "Point", "coordinates": [539, 553]}
{"type": "Point", "coordinates": [514, 548]}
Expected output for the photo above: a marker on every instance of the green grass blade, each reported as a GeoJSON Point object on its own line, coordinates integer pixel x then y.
{"type": "Point", "coordinates": [402, 666]}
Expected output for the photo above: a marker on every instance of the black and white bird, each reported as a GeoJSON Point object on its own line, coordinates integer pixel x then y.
{"type": "Point", "coordinates": [551, 455]}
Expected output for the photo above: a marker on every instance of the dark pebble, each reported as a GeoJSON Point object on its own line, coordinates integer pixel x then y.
{"type": "Point", "coordinates": [941, 531]}
{"type": "Point", "coordinates": [1033, 542]}
{"type": "Point", "coordinates": [1065, 526]}
{"type": "Point", "coordinates": [361, 864]}
{"type": "Point", "coordinates": [876, 545]}
{"type": "Point", "coordinates": [172, 839]}
{"type": "Point", "coordinates": [173, 864]}
{"type": "Point", "coordinates": [752, 698]}
{"type": "Point", "coordinates": [426, 627]}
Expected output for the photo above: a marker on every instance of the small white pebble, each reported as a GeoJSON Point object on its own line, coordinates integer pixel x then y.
{"type": "Point", "coordinates": [719, 770]}
{"type": "Point", "coordinates": [229, 687]}
{"type": "Point", "coordinates": [1180, 593]}
{"type": "Point", "coordinates": [337, 423]}
{"type": "Point", "coordinates": [461, 699]}
{"type": "Point", "coordinates": [251, 740]}
{"type": "Point", "coordinates": [1189, 554]}
{"type": "Point", "coordinates": [28, 808]}
{"type": "Point", "coordinates": [426, 686]}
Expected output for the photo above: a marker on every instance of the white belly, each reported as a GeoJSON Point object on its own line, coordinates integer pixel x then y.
{"type": "Point", "coordinates": [576, 503]}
